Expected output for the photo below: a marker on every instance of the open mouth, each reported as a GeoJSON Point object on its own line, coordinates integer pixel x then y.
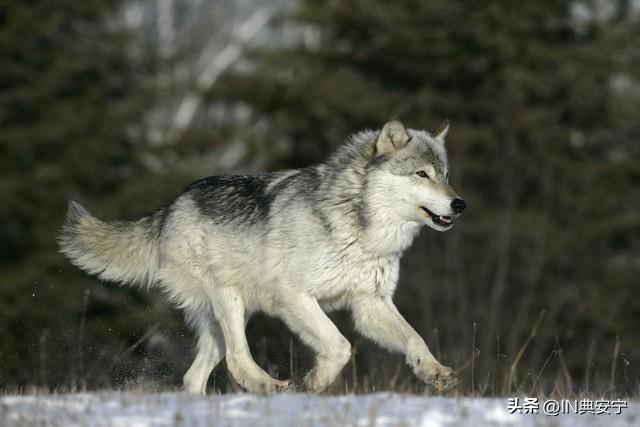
{"type": "Point", "coordinates": [441, 220]}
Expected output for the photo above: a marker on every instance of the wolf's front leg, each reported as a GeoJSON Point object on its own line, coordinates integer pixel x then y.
{"type": "Point", "coordinates": [302, 313]}
{"type": "Point", "coordinates": [229, 310]}
{"type": "Point", "coordinates": [378, 319]}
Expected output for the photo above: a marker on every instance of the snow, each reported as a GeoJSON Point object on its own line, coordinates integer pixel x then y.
{"type": "Point", "coordinates": [131, 409]}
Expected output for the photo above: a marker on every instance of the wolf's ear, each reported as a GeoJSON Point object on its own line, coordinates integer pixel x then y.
{"type": "Point", "coordinates": [440, 133]}
{"type": "Point", "coordinates": [392, 137]}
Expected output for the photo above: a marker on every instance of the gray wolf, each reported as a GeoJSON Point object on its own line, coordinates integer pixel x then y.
{"type": "Point", "coordinates": [293, 244]}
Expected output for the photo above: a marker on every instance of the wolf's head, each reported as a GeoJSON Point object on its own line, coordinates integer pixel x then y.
{"type": "Point", "coordinates": [410, 172]}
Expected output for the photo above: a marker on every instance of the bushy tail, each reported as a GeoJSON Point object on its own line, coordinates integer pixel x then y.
{"type": "Point", "coordinates": [119, 251]}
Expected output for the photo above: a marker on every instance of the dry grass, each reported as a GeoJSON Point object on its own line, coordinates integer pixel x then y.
{"type": "Point", "coordinates": [372, 370]}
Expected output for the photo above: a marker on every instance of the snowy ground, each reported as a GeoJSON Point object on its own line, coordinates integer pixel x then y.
{"type": "Point", "coordinates": [116, 409]}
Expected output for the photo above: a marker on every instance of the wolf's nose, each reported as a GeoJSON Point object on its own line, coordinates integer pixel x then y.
{"type": "Point", "coordinates": [458, 205]}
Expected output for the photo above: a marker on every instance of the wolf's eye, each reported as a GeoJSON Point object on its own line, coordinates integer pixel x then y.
{"type": "Point", "coordinates": [422, 174]}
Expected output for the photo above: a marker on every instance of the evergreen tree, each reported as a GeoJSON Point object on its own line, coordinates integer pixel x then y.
{"type": "Point", "coordinates": [71, 110]}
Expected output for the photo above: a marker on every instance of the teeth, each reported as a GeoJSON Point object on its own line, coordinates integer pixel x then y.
{"type": "Point", "coordinates": [439, 219]}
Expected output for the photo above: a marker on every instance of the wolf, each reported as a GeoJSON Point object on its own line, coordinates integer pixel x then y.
{"type": "Point", "coordinates": [294, 244]}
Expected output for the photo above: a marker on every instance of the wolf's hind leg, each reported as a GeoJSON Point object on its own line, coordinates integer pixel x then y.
{"type": "Point", "coordinates": [303, 315]}
{"type": "Point", "coordinates": [229, 310]}
{"type": "Point", "coordinates": [210, 347]}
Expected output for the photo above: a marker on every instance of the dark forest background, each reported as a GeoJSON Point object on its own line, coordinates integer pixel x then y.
{"type": "Point", "coordinates": [534, 290]}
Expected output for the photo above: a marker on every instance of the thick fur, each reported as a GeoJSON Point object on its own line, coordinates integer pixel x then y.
{"type": "Point", "coordinates": [293, 244]}
{"type": "Point", "coordinates": [120, 251]}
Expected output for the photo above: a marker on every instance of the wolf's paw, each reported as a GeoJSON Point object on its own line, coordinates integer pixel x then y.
{"type": "Point", "coordinates": [438, 376]}
{"type": "Point", "coordinates": [313, 383]}
{"type": "Point", "coordinates": [316, 381]}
